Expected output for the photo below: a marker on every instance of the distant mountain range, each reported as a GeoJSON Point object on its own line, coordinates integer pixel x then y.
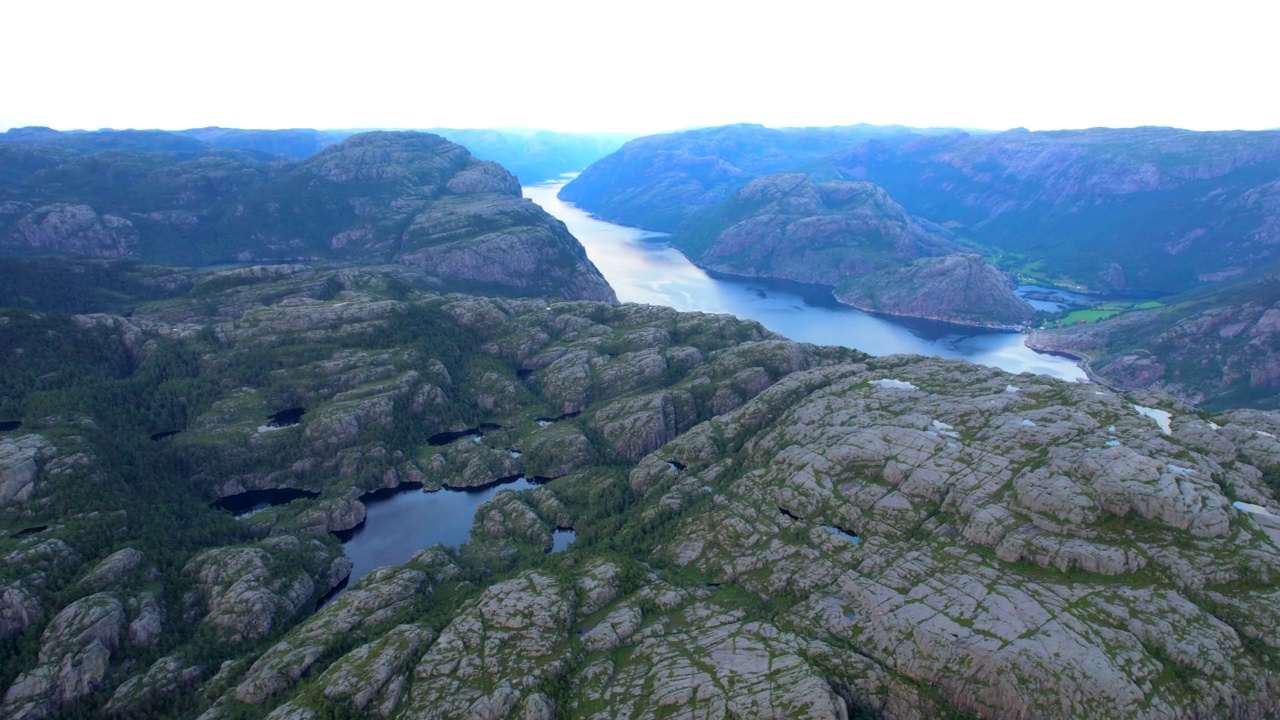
{"type": "Point", "coordinates": [1140, 211]}
{"type": "Point", "coordinates": [531, 155]}
{"type": "Point", "coordinates": [536, 155]}
{"type": "Point", "coordinates": [1145, 209]}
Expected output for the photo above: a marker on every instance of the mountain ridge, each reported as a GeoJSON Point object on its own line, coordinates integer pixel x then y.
{"type": "Point", "coordinates": [410, 197]}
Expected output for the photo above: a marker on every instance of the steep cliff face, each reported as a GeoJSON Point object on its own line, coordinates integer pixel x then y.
{"type": "Point", "coordinates": [959, 288]}
{"type": "Point", "coordinates": [377, 197]}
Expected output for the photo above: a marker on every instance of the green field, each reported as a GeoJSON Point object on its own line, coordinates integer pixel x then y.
{"type": "Point", "coordinates": [1101, 312]}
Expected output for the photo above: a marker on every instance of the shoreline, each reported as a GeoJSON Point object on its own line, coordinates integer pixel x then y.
{"type": "Point", "coordinates": [828, 293]}
{"type": "Point", "coordinates": [1083, 361]}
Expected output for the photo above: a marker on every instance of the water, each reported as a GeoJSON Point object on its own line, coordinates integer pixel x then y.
{"type": "Point", "coordinates": [1162, 417]}
{"type": "Point", "coordinates": [642, 267]}
{"type": "Point", "coordinates": [561, 539]}
{"type": "Point", "coordinates": [1053, 299]}
{"type": "Point", "coordinates": [401, 525]}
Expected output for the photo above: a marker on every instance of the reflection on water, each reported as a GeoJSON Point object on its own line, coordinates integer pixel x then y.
{"type": "Point", "coordinates": [643, 268]}
{"type": "Point", "coordinates": [404, 523]}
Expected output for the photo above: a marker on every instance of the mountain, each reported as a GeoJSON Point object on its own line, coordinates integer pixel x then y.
{"type": "Point", "coordinates": [411, 198]}
{"type": "Point", "coordinates": [1155, 210]}
{"type": "Point", "coordinates": [960, 288]}
{"type": "Point", "coordinates": [852, 235]}
{"type": "Point", "coordinates": [1141, 209]}
{"type": "Point", "coordinates": [292, 144]}
{"type": "Point", "coordinates": [536, 155]}
{"type": "Point", "coordinates": [658, 181]}
{"type": "Point", "coordinates": [763, 528]}
{"type": "Point", "coordinates": [1216, 347]}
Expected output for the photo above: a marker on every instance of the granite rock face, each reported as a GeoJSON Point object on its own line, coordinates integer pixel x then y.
{"type": "Point", "coordinates": [794, 228]}
{"type": "Point", "coordinates": [20, 460]}
{"type": "Point", "coordinates": [763, 528]}
{"type": "Point", "coordinates": [75, 655]}
{"type": "Point", "coordinates": [249, 592]}
{"type": "Point", "coordinates": [76, 230]}
{"type": "Point", "coordinates": [931, 522]}
{"type": "Point", "coordinates": [165, 677]}
{"type": "Point", "coordinates": [961, 289]}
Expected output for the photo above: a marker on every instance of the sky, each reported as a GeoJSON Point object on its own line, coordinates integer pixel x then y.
{"type": "Point", "coordinates": [639, 67]}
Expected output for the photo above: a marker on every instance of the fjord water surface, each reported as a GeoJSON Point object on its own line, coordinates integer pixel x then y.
{"type": "Point", "coordinates": [643, 267]}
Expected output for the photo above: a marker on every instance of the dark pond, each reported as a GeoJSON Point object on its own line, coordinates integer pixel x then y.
{"type": "Point", "coordinates": [474, 433]}
{"type": "Point", "coordinates": [548, 421]}
{"type": "Point", "coordinates": [285, 418]}
{"type": "Point", "coordinates": [8, 425]}
{"type": "Point", "coordinates": [841, 531]}
{"type": "Point", "coordinates": [242, 504]}
{"type": "Point", "coordinates": [406, 521]}
{"type": "Point", "coordinates": [27, 532]}
{"type": "Point", "coordinates": [562, 538]}
{"type": "Point", "coordinates": [164, 434]}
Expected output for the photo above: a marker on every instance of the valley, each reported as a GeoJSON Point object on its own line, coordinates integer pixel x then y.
{"type": "Point", "coordinates": [472, 452]}
{"type": "Point", "coordinates": [642, 266]}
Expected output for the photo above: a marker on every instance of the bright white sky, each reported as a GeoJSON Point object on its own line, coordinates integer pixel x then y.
{"type": "Point", "coordinates": [639, 66]}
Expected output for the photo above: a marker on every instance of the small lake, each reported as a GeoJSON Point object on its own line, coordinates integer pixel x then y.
{"type": "Point", "coordinates": [562, 538]}
{"type": "Point", "coordinates": [643, 267]}
{"type": "Point", "coordinates": [405, 522]}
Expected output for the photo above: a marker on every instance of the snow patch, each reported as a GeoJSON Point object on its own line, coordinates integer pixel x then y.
{"type": "Point", "coordinates": [897, 384]}
{"type": "Point", "coordinates": [1251, 508]}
